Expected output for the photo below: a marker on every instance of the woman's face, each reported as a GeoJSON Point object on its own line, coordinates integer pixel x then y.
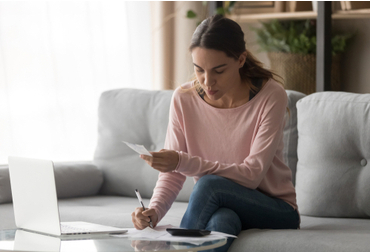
{"type": "Point", "coordinates": [217, 73]}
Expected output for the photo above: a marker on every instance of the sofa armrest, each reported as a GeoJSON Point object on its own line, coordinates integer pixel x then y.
{"type": "Point", "coordinates": [77, 179]}
{"type": "Point", "coordinates": [72, 179]}
{"type": "Point", "coordinates": [5, 193]}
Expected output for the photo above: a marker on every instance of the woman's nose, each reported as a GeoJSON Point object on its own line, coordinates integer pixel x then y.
{"type": "Point", "coordinates": [208, 80]}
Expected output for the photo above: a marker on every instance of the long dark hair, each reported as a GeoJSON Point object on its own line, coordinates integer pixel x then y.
{"type": "Point", "coordinates": [223, 34]}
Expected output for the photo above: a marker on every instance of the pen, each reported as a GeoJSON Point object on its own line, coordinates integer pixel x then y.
{"type": "Point", "coordinates": [142, 204]}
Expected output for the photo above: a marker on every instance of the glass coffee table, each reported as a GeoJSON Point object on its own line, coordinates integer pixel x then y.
{"type": "Point", "coordinates": [19, 240]}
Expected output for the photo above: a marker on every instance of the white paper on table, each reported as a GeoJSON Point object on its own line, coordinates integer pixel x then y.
{"type": "Point", "coordinates": [138, 148]}
{"type": "Point", "coordinates": [159, 233]}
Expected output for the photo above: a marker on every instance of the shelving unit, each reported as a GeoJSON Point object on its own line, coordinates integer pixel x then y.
{"type": "Point", "coordinates": [351, 14]}
{"type": "Point", "coordinates": [324, 15]}
{"type": "Point", "coordinates": [246, 18]}
{"type": "Point", "coordinates": [348, 14]}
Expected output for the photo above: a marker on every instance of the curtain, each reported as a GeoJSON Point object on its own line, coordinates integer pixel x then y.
{"type": "Point", "coordinates": [56, 58]}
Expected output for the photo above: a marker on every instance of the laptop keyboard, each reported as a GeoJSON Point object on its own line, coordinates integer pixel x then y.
{"type": "Point", "coordinates": [73, 230]}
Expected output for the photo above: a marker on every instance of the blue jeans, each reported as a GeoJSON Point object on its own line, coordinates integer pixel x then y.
{"type": "Point", "coordinates": [219, 204]}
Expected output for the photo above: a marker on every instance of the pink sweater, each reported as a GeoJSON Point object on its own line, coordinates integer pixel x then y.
{"type": "Point", "coordinates": [243, 144]}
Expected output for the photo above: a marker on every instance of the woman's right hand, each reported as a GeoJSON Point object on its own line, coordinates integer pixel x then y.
{"type": "Point", "coordinates": [141, 219]}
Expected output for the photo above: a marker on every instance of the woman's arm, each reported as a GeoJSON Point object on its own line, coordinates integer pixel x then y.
{"type": "Point", "coordinates": [169, 184]}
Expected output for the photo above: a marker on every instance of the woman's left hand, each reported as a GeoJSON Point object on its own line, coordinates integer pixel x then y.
{"type": "Point", "coordinates": [163, 161]}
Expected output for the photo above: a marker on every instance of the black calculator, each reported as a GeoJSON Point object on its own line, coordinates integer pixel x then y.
{"type": "Point", "coordinates": [187, 232]}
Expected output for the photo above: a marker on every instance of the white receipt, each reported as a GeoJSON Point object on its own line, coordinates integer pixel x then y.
{"type": "Point", "coordinates": [138, 148]}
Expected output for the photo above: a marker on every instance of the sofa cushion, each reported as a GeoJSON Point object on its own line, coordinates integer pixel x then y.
{"type": "Point", "coordinates": [7, 216]}
{"type": "Point", "coordinates": [333, 170]}
{"type": "Point", "coordinates": [112, 210]}
{"type": "Point", "coordinates": [102, 209]}
{"type": "Point", "coordinates": [291, 132]}
{"type": "Point", "coordinates": [77, 179]}
{"type": "Point", "coordinates": [139, 117]}
{"type": "Point", "coordinates": [316, 234]}
{"type": "Point", "coordinates": [5, 192]}
{"type": "Point", "coordinates": [72, 179]}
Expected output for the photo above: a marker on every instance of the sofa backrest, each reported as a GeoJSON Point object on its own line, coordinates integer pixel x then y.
{"type": "Point", "coordinates": [333, 171]}
{"type": "Point", "coordinates": [141, 117]}
{"type": "Point", "coordinates": [291, 132]}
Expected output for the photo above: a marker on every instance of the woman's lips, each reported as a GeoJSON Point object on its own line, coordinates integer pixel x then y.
{"type": "Point", "coordinates": [212, 92]}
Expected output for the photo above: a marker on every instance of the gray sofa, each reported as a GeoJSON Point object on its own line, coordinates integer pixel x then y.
{"type": "Point", "coordinates": [327, 151]}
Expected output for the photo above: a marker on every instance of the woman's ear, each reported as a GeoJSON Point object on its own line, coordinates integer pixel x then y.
{"type": "Point", "coordinates": [242, 59]}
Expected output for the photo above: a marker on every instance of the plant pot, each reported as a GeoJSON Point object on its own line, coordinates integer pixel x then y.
{"type": "Point", "coordinates": [299, 71]}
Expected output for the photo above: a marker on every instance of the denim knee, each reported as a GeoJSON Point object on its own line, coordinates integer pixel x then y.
{"type": "Point", "coordinates": [225, 220]}
{"type": "Point", "coordinates": [207, 182]}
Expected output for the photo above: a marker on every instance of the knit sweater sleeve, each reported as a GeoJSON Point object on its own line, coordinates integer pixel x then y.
{"type": "Point", "coordinates": [169, 184]}
{"type": "Point", "coordinates": [253, 169]}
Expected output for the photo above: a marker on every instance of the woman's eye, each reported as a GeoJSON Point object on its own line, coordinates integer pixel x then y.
{"type": "Point", "coordinates": [202, 71]}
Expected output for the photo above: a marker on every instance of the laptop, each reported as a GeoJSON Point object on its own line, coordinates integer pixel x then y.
{"type": "Point", "coordinates": [35, 201]}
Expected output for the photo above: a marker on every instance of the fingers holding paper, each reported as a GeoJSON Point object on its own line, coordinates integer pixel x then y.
{"type": "Point", "coordinates": [163, 161]}
{"type": "Point", "coordinates": [141, 219]}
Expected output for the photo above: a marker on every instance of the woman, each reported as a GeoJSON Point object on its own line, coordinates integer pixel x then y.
{"type": "Point", "coordinates": [226, 131]}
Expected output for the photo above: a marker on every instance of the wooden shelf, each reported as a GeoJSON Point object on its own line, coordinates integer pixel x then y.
{"type": "Point", "coordinates": [348, 14]}
{"type": "Point", "coordinates": [352, 14]}
{"type": "Point", "coordinates": [246, 18]}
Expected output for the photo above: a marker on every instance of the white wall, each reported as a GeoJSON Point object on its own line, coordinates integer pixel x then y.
{"type": "Point", "coordinates": [56, 58]}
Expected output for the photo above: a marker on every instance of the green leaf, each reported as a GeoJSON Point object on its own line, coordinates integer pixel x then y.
{"type": "Point", "coordinates": [295, 37]}
{"type": "Point", "coordinates": [191, 14]}
{"type": "Point", "coordinates": [220, 10]}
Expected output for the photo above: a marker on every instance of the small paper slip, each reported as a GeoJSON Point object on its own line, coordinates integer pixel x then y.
{"type": "Point", "coordinates": [138, 148]}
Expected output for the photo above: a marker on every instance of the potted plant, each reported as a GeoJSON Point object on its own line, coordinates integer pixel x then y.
{"type": "Point", "coordinates": [226, 8]}
{"type": "Point", "coordinates": [291, 48]}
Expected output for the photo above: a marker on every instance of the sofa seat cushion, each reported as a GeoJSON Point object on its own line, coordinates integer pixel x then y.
{"type": "Point", "coordinates": [316, 234]}
{"type": "Point", "coordinates": [7, 216]}
{"type": "Point", "coordinates": [112, 210]}
{"type": "Point", "coordinates": [107, 210]}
